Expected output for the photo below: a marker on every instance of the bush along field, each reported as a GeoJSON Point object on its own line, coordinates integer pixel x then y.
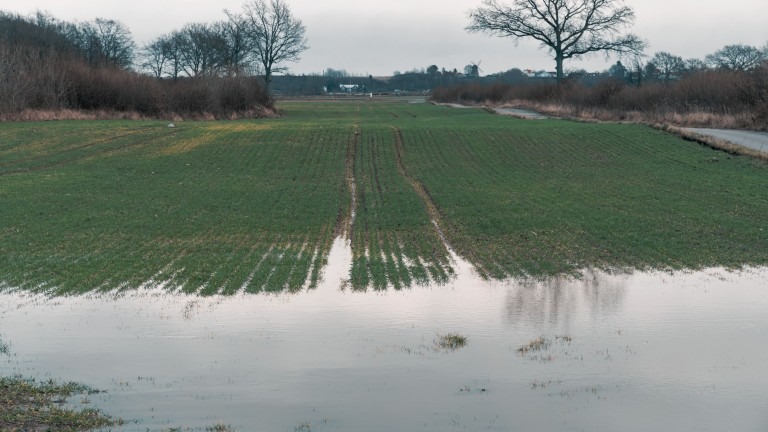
{"type": "Point", "coordinates": [255, 205]}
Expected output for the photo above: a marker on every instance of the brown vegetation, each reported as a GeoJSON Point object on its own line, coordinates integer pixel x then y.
{"type": "Point", "coordinates": [49, 86]}
{"type": "Point", "coordinates": [43, 75]}
{"type": "Point", "coordinates": [709, 98]}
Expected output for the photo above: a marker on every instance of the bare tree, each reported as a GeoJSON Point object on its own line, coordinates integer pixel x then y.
{"type": "Point", "coordinates": [568, 28]}
{"type": "Point", "coordinates": [154, 56]}
{"type": "Point", "coordinates": [173, 46]}
{"type": "Point", "coordinates": [202, 50]}
{"type": "Point", "coordinates": [102, 42]}
{"type": "Point", "coordinates": [736, 57]}
{"type": "Point", "coordinates": [765, 53]}
{"type": "Point", "coordinates": [15, 85]}
{"type": "Point", "coordinates": [275, 35]}
{"type": "Point", "coordinates": [117, 45]}
{"type": "Point", "coordinates": [237, 46]}
{"type": "Point", "coordinates": [668, 65]}
{"type": "Point", "coordinates": [695, 65]}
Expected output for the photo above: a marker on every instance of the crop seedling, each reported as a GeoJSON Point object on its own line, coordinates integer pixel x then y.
{"type": "Point", "coordinates": [254, 206]}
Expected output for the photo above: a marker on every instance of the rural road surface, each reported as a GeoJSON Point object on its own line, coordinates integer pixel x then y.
{"type": "Point", "coordinates": [754, 140]}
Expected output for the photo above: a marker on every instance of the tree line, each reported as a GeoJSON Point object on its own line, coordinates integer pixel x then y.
{"type": "Point", "coordinates": [219, 69]}
{"type": "Point", "coordinates": [258, 40]}
{"type": "Point", "coordinates": [211, 68]}
{"type": "Point", "coordinates": [703, 96]}
{"type": "Point", "coordinates": [728, 88]}
{"type": "Point", "coordinates": [665, 66]}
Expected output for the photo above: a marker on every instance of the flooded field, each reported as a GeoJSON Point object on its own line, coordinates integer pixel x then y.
{"type": "Point", "coordinates": [641, 352]}
{"type": "Point", "coordinates": [192, 272]}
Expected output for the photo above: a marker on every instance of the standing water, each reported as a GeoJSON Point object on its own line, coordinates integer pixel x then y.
{"type": "Point", "coordinates": [640, 352]}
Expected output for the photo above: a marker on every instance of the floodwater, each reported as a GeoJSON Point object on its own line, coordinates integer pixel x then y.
{"type": "Point", "coordinates": [641, 352]}
{"type": "Point", "coordinates": [521, 113]}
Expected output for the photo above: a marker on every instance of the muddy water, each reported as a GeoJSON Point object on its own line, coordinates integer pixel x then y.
{"type": "Point", "coordinates": [682, 352]}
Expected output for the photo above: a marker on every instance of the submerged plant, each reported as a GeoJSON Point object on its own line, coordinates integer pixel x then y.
{"type": "Point", "coordinates": [451, 341]}
{"type": "Point", "coordinates": [5, 348]}
{"type": "Point", "coordinates": [219, 427]}
{"type": "Point", "coordinates": [28, 405]}
{"type": "Point", "coordinates": [303, 427]}
{"type": "Point", "coordinates": [539, 344]}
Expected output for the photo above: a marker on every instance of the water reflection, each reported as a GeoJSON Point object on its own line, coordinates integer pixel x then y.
{"type": "Point", "coordinates": [645, 352]}
{"type": "Point", "coordinates": [560, 300]}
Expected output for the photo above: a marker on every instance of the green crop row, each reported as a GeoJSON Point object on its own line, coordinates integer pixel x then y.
{"type": "Point", "coordinates": [393, 239]}
{"type": "Point", "coordinates": [201, 208]}
{"type": "Point", "coordinates": [226, 207]}
{"type": "Point", "coordinates": [537, 199]}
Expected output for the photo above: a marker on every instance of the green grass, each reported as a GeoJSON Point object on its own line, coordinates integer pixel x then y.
{"type": "Point", "coordinates": [254, 206]}
{"type": "Point", "coordinates": [544, 198]}
{"type": "Point", "coordinates": [393, 240]}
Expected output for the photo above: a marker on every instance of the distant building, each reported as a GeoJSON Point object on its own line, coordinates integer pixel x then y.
{"type": "Point", "coordinates": [349, 88]}
{"type": "Point", "coordinates": [530, 73]}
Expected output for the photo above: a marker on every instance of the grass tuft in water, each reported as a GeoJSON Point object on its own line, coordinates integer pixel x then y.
{"type": "Point", "coordinates": [539, 344]}
{"type": "Point", "coordinates": [5, 348]}
{"type": "Point", "coordinates": [451, 341]}
{"type": "Point", "coordinates": [303, 427]}
{"type": "Point", "coordinates": [219, 428]}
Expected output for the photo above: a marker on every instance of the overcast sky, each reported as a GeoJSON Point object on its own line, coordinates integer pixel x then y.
{"type": "Point", "coordinates": [399, 35]}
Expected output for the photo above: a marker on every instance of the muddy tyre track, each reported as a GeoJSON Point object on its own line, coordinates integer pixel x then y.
{"type": "Point", "coordinates": [426, 198]}
{"type": "Point", "coordinates": [346, 219]}
{"type": "Point", "coordinates": [433, 210]}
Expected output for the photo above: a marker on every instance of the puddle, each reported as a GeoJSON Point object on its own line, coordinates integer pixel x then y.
{"type": "Point", "coordinates": [521, 113]}
{"type": "Point", "coordinates": [648, 351]}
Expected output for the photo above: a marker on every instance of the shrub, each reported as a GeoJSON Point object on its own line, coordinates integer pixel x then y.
{"type": "Point", "coordinates": [710, 97]}
{"type": "Point", "coordinates": [46, 80]}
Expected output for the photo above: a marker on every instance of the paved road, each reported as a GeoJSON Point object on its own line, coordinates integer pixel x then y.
{"type": "Point", "coordinates": [754, 140]}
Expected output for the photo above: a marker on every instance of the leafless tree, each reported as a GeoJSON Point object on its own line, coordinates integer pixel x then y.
{"type": "Point", "coordinates": [173, 46]}
{"type": "Point", "coordinates": [14, 83]}
{"type": "Point", "coordinates": [765, 53]}
{"type": "Point", "coordinates": [736, 57]}
{"type": "Point", "coordinates": [275, 35]}
{"type": "Point", "coordinates": [102, 42]}
{"type": "Point", "coordinates": [202, 50]}
{"type": "Point", "coordinates": [695, 65]}
{"type": "Point", "coordinates": [237, 46]}
{"type": "Point", "coordinates": [668, 65]}
{"type": "Point", "coordinates": [154, 56]}
{"type": "Point", "coordinates": [117, 45]}
{"type": "Point", "coordinates": [30, 77]}
{"type": "Point", "coordinates": [568, 28]}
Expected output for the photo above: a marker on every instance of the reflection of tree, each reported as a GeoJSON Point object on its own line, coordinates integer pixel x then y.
{"type": "Point", "coordinates": [559, 301]}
